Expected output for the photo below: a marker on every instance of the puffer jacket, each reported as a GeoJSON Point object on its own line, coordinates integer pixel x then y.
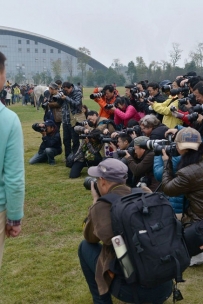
{"type": "Point", "coordinates": [103, 101]}
{"type": "Point", "coordinates": [188, 181]}
{"type": "Point", "coordinates": [164, 109]}
{"type": "Point", "coordinates": [176, 201]}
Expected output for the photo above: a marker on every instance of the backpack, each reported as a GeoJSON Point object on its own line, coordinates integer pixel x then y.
{"type": "Point", "coordinates": [152, 234]}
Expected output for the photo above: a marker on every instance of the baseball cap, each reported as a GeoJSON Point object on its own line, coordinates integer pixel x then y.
{"type": "Point", "coordinates": [53, 85]}
{"type": "Point", "coordinates": [49, 123]}
{"type": "Point", "coordinates": [110, 169]}
{"type": "Point", "coordinates": [188, 138]}
{"type": "Point", "coordinates": [139, 140]}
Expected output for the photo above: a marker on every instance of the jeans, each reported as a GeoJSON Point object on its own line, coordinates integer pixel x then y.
{"type": "Point", "coordinates": [88, 254]}
{"type": "Point", "coordinates": [78, 166]}
{"type": "Point", "coordinates": [68, 135]}
{"type": "Point", "coordinates": [47, 155]}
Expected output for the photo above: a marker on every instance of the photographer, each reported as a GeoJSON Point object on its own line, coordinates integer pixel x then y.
{"type": "Point", "coordinates": [51, 106]}
{"type": "Point", "coordinates": [51, 143]}
{"type": "Point", "coordinates": [96, 253]}
{"type": "Point", "coordinates": [189, 177]}
{"type": "Point", "coordinates": [154, 92]}
{"type": "Point", "coordinates": [164, 108]}
{"type": "Point", "coordinates": [104, 97]}
{"type": "Point", "coordinates": [138, 103]}
{"type": "Point", "coordinates": [88, 153]}
{"type": "Point", "coordinates": [124, 112]}
{"type": "Point", "coordinates": [152, 127]}
{"type": "Point", "coordinates": [71, 103]}
{"type": "Point", "coordinates": [141, 165]}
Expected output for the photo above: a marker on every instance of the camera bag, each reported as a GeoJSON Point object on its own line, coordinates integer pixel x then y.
{"type": "Point", "coordinates": [152, 234]}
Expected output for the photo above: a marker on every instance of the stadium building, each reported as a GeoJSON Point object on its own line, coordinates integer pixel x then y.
{"type": "Point", "coordinates": [30, 54]}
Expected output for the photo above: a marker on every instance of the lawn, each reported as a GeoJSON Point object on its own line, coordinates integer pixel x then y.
{"type": "Point", "coordinates": [41, 265]}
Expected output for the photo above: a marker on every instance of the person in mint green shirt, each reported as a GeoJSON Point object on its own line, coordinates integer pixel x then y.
{"type": "Point", "coordinates": [12, 182]}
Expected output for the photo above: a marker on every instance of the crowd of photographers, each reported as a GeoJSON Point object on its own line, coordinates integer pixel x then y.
{"type": "Point", "coordinates": [134, 128]}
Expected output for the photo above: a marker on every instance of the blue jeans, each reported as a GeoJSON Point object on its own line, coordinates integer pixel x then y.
{"type": "Point", "coordinates": [88, 254]}
{"type": "Point", "coordinates": [47, 156]}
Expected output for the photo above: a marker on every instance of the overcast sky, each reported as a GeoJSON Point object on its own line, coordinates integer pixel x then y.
{"type": "Point", "coordinates": [112, 29]}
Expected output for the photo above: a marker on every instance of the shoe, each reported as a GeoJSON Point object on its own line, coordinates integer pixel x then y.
{"type": "Point", "coordinates": [197, 259]}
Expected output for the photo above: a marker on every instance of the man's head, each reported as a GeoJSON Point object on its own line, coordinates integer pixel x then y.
{"type": "Point", "coordinates": [59, 83]}
{"type": "Point", "coordinates": [50, 126]}
{"type": "Point", "coordinates": [138, 150]}
{"type": "Point", "coordinates": [148, 123]}
{"type": "Point", "coordinates": [109, 91]}
{"type": "Point", "coordinates": [53, 88]}
{"type": "Point", "coordinates": [109, 172]}
{"type": "Point", "coordinates": [67, 87]}
{"type": "Point", "coordinates": [141, 85]}
{"type": "Point", "coordinates": [128, 90]}
{"type": "Point", "coordinates": [92, 116]}
{"type": "Point", "coordinates": [198, 91]}
{"type": "Point", "coordinates": [187, 138]}
{"type": "Point", "coordinates": [2, 70]}
{"type": "Point", "coordinates": [123, 141]}
{"type": "Point", "coordinates": [153, 88]}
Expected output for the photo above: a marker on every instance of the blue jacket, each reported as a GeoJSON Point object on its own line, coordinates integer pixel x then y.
{"type": "Point", "coordinates": [12, 183]}
{"type": "Point", "coordinates": [176, 201]}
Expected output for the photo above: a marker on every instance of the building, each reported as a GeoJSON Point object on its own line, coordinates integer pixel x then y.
{"type": "Point", "coordinates": [31, 57]}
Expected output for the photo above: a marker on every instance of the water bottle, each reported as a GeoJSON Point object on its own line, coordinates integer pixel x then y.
{"type": "Point", "coordinates": [122, 255]}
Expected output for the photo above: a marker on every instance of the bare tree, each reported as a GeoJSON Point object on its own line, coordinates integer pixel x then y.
{"type": "Point", "coordinates": [57, 68]}
{"type": "Point", "coordinates": [68, 64]}
{"type": "Point", "coordinates": [197, 56]}
{"type": "Point", "coordinates": [117, 65]}
{"type": "Point", "coordinates": [83, 59]}
{"type": "Point", "coordinates": [175, 54]}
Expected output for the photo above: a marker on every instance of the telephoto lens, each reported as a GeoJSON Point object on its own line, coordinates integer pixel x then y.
{"type": "Point", "coordinates": [87, 183]}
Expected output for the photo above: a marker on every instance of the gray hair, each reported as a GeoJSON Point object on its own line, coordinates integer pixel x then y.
{"type": "Point", "coordinates": [149, 121]}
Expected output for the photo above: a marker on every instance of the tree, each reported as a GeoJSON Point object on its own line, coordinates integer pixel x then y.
{"type": "Point", "coordinates": [132, 72]}
{"type": "Point", "coordinates": [141, 68]}
{"type": "Point", "coordinates": [100, 77]}
{"type": "Point", "coordinates": [175, 54]}
{"type": "Point", "coordinates": [197, 56]}
{"type": "Point", "coordinates": [90, 79]}
{"type": "Point", "coordinates": [68, 64]}
{"type": "Point", "coordinates": [57, 68]}
{"type": "Point", "coordinates": [83, 57]}
{"type": "Point", "coordinates": [117, 65]}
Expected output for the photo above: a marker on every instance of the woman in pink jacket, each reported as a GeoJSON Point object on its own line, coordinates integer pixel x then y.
{"type": "Point", "coordinates": [123, 112]}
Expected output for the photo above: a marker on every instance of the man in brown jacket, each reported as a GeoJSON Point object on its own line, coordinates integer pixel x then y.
{"type": "Point", "coordinates": [95, 258]}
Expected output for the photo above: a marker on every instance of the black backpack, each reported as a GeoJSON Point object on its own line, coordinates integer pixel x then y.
{"type": "Point", "coordinates": [152, 234]}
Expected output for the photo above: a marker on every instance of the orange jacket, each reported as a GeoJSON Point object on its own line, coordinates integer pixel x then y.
{"type": "Point", "coordinates": [102, 102]}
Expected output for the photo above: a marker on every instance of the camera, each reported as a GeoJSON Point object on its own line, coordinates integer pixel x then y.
{"type": "Point", "coordinates": [192, 117]}
{"type": "Point", "coordinates": [97, 95]}
{"type": "Point", "coordinates": [45, 105]}
{"type": "Point", "coordinates": [37, 128]}
{"type": "Point", "coordinates": [135, 129]}
{"type": "Point", "coordinates": [189, 98]}
{"type": "Point", "coordinates": [57, 96]}
{"type": "Point", "coordinates": [108, 140]}
{"type": "Point", "coordinates": [139, 95]}
{"type": "Point", "coordinates": [166, 88]}
{"type": "Point", "coordinates": [122, 153]}
{"type": "Point", "coordinates": [198, 108]}
{"type": "Point", "coordinates": [87, 183]}
{"type": "Point", "coordinates": [83, 123]}
{"type": "Point", "coordinates": [109, 106]}
{"type": "Point", "coordinates": [144, 182]}
{"type": "Point", "coordinates": [134, 90]}
{"type": "Point", "coordinates": [158, 144]}
{"type": "Point", "coordinates": [175, 92]}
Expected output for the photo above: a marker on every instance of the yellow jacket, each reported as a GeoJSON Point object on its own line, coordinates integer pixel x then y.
{"type": "Point", "coordinates": [164, 108]}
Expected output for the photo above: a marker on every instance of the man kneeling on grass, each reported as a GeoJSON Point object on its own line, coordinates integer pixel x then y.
{"type": "Point", "coordinates": [51, 143]}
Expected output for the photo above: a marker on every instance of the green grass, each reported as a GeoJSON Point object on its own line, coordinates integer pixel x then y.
{"type": "Point", "coordinates": [41, 265]}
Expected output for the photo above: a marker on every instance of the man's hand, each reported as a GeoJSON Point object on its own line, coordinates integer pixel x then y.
{"type": "Point", "coordinates": [200, 118]}
{"type": "Point", "coordinates": [106, 131]}
{"type": "Point", "coordinates": [173, 131]}
{"type": "Point", "coordinates": [113, 147]}
{"type": "Point", "coordinates": [164, 155]}
{"type": "Point", "coordinates": [12, 230]}
{"type": "Point", "coordinates": [63, 97]}
{"type": "Point", "coordinates": [150, 103]}
{"type": "Point", "coordinates": [94, 193]}
{"type": "Point", "coordinates": [86, 140]}
{"type": "Point", "coordinates": [86, 131]}
{"type": "Point", "coordinates": [44, 133]}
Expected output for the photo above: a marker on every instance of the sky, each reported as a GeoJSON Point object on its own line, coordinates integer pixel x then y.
{"type": "Point", "coordinates": [112, 29]}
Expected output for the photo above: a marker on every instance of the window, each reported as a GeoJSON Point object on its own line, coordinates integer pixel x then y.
{"type": "Point", "coordinates": [51, 51]}
{"type": "Point", "coordinates": [19, 50]}
{"type": "Point", "coordinates": [28, 41]}
{"type": "Point", "coordinates": [36, 50]}
{"type": "Point", "coordinates": [44, 51]}
{"type": "Point", "coordinates": [59, 51]}
{"type": "Point", "coordinates": [36, 42]}
{"type": "Point", "coordinates": [28, 50]}
{"type": "Point", "coordinates": [19, 41]}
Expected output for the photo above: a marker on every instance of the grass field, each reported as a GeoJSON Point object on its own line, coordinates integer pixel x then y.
{"type": "Point", "coordinates": [41, 265]}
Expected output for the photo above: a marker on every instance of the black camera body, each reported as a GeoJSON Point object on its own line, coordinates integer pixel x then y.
{"type": "Point", "coordinates": [37, 128]}
{"type": "Point", "coordinates": [97, 95]}
{"type": "Point", "coordinates": [122, 153]}
{"type": "Point", "coordinates": [135, 129]}
{"type": "Point", "coordinates": [109, 106]}
{"type": "Point", "coordinates": [45, 105]}
{"type": "Point", "coordinates": [175, 92]}
{"type": "Point", "coordinates": [57, 96]}
{"type": "Point", "coordinates": [158, 144]}
{"type": "Point", "coordinates": [87, 183]}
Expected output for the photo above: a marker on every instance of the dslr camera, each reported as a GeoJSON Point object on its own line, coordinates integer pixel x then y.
{"type": "Point", "coordinates": [87, 184]}
{"type": "Point", "coordinates": [37, 128]}
{"type": "Point", "coordinates": [57, 96]}
{"type": "Point", "coordinates": [158, 144]}
{"type": "Point", "coordinates": [97, 95]}
{"type": "Point", "coordinates": [122, 153]}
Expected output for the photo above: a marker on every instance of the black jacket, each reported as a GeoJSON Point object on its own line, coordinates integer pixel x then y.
{"type": "Point", "coordinates": [52, 140]}
{"type": "Point", "coordinates": [159, 132]}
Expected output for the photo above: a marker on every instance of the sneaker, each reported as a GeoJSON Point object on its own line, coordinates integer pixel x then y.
{"type": "Point", "coordinates": [197, 259]}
